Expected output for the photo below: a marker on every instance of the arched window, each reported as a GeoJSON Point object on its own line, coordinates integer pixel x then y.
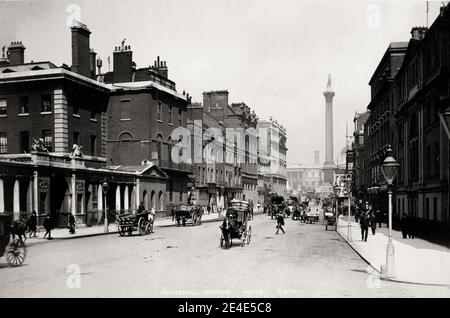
{"type": "Point", "coordinates": [153, 200]}
{"type": "Point", "coordinates": [161, 200]}
{"type": "Point", "coordinates": [145, 199]}
{"type": "Point", "coordinates": [159, 140]}
{"type": "Point", "coordinates": [126, 137]}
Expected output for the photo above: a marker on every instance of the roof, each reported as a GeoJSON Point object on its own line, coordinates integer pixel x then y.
{"type": "Point", "coordinates": [392, 48]}
{"type": "Point", "coordinates": [27, 67]}
{"type": "Point", "coordinates": [138, 169]}
{"type": "Point", "coordinates": [52, 73]}
{"type": "Point", "coordinates": [144, 85]}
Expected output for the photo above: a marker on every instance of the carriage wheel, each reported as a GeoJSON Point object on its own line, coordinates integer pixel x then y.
{"type": "Point", "coordinates": [16, 253]}
{"type": "Point", "coordinates": [149, 228]}
{"type": "Point", "coordinates": [122, 231]}
{"type": "Point", "coordinates": [221, 241]}
{"type": "Point", "coordinates": [243, 239]}
{"type": "Point", "coordinates": [142, 225]}
{"type": "Point", "coordinates": [228, 241]}
{"type": "Point", "coordinates": [249, 234]}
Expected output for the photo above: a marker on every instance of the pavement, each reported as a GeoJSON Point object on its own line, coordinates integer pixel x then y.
{"type": "Point", "coordinates": [187, 262]}
{"type": "Point", "coordinates": [416, 260]}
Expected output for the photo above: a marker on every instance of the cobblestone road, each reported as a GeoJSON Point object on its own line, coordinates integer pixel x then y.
{"type": "Point", "coordinates": [307, 261]}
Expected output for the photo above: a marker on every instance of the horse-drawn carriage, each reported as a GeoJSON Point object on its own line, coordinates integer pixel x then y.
{"type": "Point", "coordinates": [141, 221]}
{"type": "Point", "coordinates": [277, 206]}
{"type": "Point", "coordinates": [183, 213]}
{"type": "Point", "coordinates": [236, 225]}
{"type": "Point", "coordinates": [15, 249]}
{"type": "Point", "coordinates": [330, 220]}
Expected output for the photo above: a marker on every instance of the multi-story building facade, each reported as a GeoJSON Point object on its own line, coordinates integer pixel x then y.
{"type": "Point", "coordinates": [304, 178]}
{"type": "Point", "coordinates": [408, 110]}
{"type": "Point", "coordinates": [46, 114]}
{"type": "Point", "coordinates": [145, 118]}
{"type": "Point", "coordinates": [359, 156]}
{"type": "Point", "coordinates": [272, 156]}
{"type": "Point", "coordinates": [380, 126]}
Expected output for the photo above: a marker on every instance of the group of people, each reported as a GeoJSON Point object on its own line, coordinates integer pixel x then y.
{"type": "Point", "coordinates": [368, 219]}
{"type": "Point", "coordinates": [408, 226]}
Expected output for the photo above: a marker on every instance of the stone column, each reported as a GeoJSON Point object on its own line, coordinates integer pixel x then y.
{"type": "Point", "coordinates": [35, 192]}
{"type": "Point", "coordinates": [138, 189]}
{"type": "Point", "coordinates": [126, 199]}
{"type": "Point", "coordinates": [16, 202]}
{"type": "Point", "coordinates": [2, 197]}
{"type": "Point", "coordinates": [30, 197]}
{"type": "Point", "coordinates": [99, 197]}
{"type": "Point", "coordinates": [118, 203]}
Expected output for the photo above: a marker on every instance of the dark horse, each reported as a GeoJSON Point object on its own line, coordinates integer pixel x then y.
{"type": "Point", "coordinates": [226, 228]}
{"type": "Point", "coordinates": [19, 228]}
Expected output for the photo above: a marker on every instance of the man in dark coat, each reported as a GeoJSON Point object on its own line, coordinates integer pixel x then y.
{"type": "Point", "coordinates": [364, 223]}
{"type": "Point", "coordinates": [71, 224]}
{"type": "Point", "coordinates": [48, 226]}
{"type": "Point", "coordinates": [280, 223]}
{"type": "Point", "coordinates": [411, 226]}
{"type": "Point", "coordinates": [379, 218]}
{"type": "Point", "coordinates": [32, 224]}
{"type": "Point", "coordinates": [372, 222]}
{"type": "Point", "coordinates": [404, 225]}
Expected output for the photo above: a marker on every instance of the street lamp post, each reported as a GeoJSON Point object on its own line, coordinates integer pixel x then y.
{"type": "Point", "coordinates": [336, 193]}
{"type": "Point", "coordinates": [348, 183]}
{"type": "Point", "coordinates": [105, 187]}
{"type": "Point", "coordinates": [389, 169]}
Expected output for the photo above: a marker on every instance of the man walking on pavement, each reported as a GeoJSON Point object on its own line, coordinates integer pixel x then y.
{"type": "Point", "coordinates": [280, 223]}
{"type": "Point", "coordinates": [32, 224]}
{"type": "Point", "coordinates": [48, 226]}
{"type": "Point", "coordinates": [364, 223]}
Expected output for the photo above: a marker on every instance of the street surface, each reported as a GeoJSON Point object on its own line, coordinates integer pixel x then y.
{"type": "Point", "coordinates": [307, 261]}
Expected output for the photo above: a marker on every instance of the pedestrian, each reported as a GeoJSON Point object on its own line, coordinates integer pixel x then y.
{"type": "Point", "coordinates": [357, 213]}
{"type": "Point", "coordinates": [404, 225]}
{"type": "Point", "coordinates": [208, 208]}
{"type": "Point", "coordinates": [173, 214]}
{"type": "Point", "coordinates": [71, 224]}
{"type": "Point", "coordinates": [364, 224]}
{"type": "Point", "coordinates": [48, 226]}
{"type": "Point", "coordinates": [280, 223]}
{"type": "Point", "coordinates": [151, 218]}
{"type": "Point", "coordinates": [258, 206]}
{"type": "Point", "coordinates": [379, 218]}
{"type": "Point", "coordinates": [32, 224]}
{"type": "Point", "coordinates": [372, 222]}
{"type": "Point", "coordinates": [411, 226]}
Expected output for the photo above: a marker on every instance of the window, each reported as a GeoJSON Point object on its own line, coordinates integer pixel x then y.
{"type": "Point", "coordinates": [427, 208]}
{"type": "Point", "coordinates": [125, 110]}
{"type": "Point", "coordinates": [93, 145]}
{"type": "Point", "coordinates": [76, 110]}
{"type": "Point", "coordinates": [24, 106]}
{"type": "Point", "coordinates": [76, 137]}
{"type": "Point", "coordinates": [436, 159]}
{"type": "Point", "coordinates": [46, 104]}
{"type": "Point", "coordinates": [170, 114]}
{"type": "Point", "coordinates": [3, 143]}
{"type": "Point", "coordinates": [159, 111]}
{"type": "Point", "coordinates": [169, 149]}
{"type": "Point", "coordinates": [170, 191]}
{"type": "Point", "coordinates": [3, 107]}
{"type": "Point", "coordinates": [24, 142]}
{"type": "Point", "coordinates": [179, 117]}
{"type": "Point", "coordinates": [48, 139]}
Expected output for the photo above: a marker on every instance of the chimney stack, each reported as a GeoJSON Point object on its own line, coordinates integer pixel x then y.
{"type": "Point", "coordinates": [160, 67]}
{"type": "Point", "coordinates": [3, 59]}
{"type": "Point", "coordinates": [16, 54]}
{"type": "Point", "coordinates": [123, 63]}
{"type": "Point", "coordinates": [418, 33]}
{"type": "Point", "coordinates": [80, 49]}
{"type": "Point", "coordinates": [92, 63]}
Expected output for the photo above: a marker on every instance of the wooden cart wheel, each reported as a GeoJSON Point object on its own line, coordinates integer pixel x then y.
{"type": "Point", "coordinates": [249, 235]}
{"type": "Point", "coordinates": [243, 238]}
{"type": "Point", "coordinates": [16, 253]}
{"type": "Point", "coordinates": [142, 224]}
{"type": "Point", "coordinates": [149, 228]}
{"type": "Point", "coordinates": [122, 231]}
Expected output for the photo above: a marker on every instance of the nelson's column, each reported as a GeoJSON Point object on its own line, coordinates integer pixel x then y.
{"type": "Point", "coordinates": [329, 166]}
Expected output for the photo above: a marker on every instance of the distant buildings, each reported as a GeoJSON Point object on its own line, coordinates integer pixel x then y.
{"type": "Point", "coordinates": [76, 140]}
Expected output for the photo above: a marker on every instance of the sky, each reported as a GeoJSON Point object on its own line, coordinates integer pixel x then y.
{"type": "Point", "coordinates": [274, 55]}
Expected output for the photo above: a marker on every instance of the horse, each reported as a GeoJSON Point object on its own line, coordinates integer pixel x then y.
{"type": "Point", "coordinates": [226, 228]}
{"type": "Point", "coordinates": [19, 228]}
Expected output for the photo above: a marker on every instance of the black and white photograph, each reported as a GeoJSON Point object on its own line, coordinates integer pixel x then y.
{"type": "Point", "coordinates": [236, 150]}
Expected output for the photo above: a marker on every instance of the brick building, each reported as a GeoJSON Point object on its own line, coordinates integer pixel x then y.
{"type": "Point", "coordinates": [62, 106]}
{"type": "Point", "coordinates": [144, 117]}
